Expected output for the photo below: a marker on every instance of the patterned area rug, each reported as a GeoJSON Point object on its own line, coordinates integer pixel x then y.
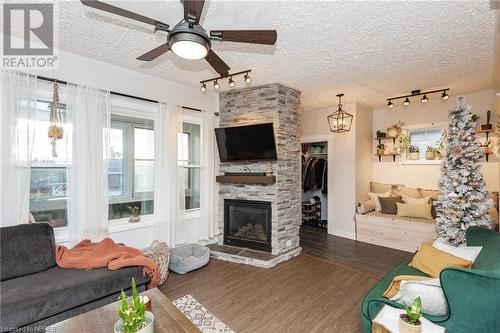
{"type": "Point", "coordinates": [201, 317]}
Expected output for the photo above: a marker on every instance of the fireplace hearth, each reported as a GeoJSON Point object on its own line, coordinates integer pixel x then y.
{"type": "Point", "coordinates": [247, 223]}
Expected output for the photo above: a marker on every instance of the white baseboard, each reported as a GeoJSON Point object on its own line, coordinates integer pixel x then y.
{"type": "Point", "coordinates": [344, 233]}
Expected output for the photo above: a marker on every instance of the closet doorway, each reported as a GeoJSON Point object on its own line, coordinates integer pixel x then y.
{"type": "Point", "coordinates": [316, 159]}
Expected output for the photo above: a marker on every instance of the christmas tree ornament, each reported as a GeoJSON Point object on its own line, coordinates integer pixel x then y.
{"type": "Point", "coordinates": [462, 198]}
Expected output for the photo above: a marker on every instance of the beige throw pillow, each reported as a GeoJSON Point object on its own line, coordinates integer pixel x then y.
{"type": "Point", "coordinates": [374, 197]}
{"type": "Point", "coordinates": [407, 191]}
{"type": "Point", "coordinates": [416, 201]}
{"type": "Point", "coordinates": [365, 207]}
{"type": "Point", "coordinates": [380, 187]}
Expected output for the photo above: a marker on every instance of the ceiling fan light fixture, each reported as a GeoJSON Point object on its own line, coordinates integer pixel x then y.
{"type": "Point", "coordinates": [216, 85]}
{"type": "Point", "coordinates": [424, 99]}
{"type": "Point", "coordinates": [187, 42]}
{"type": "Point", "coordinates": [247, 78]}
{"type": "Point", "coordinates": [189, 50]}
{"type": "Point", "coordinates": [406, 102]}
{"type": "Point", "coordinates": [231, 82]}
{"type": "Point", "coordinates": [444, 96]}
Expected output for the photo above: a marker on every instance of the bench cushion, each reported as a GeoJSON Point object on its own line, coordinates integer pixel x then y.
{"type": "Point", "coordinates": [31, 298]}
{"type": "Point", "coordinates": [26, 249]}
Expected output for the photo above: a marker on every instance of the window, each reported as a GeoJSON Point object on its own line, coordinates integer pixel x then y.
{"type": "Point", "coordinates": [423, 138]}
{"type": "Point", "coordinates": [48, 188]}
{"type": "Point", "coordinates": [131, 166]}
{"type": "Point", "coordinates": [189, 158]}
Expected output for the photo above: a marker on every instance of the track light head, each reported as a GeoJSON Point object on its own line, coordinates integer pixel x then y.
{"type": "Point", "coordinates": [444, 96]}
{"type": "Point", "coordinates": [231, 82]}
{"type": "Point", "coordinates": [203, 87]}
{"type": "Point", "coordinates": [216, 85]}
{"type": "Point", "coordinates": [390, 104]}
{"type": "Point", "coordinates": [247, 78]}
{"type": "Point", "coordinates": [424, 99]}
{"type": "Point", "coordinates": [406, 102]}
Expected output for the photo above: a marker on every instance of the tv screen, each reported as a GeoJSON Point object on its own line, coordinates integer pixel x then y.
{"type": "Point", "coordinates": [246, 143]}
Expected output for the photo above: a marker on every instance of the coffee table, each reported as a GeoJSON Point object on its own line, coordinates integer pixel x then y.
{"type": "Point", "coordinates": [167, 318]}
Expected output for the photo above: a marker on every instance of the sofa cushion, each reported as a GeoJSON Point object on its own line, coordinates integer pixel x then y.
{"type": "Point", "coordinates": [487, 260]}
{"type": "Point", "coordinates": [428, 193]}
{"type": "Point", "coordinates": [388, 205]}
{"type": "Point", "coordinates": [26, 249]}
{"type": "Point", "coordinates": [432, 261]}
{"type": "Point", "coordinates": [31, 298]}
{"type": "Point", "coordinates": [380, 187]}
{"type": "Point", "coordinates": [422, 211]}
{"type": "Point", "coordinates": [407, 191]}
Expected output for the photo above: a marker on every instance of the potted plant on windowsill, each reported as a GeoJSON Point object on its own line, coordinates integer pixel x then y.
{"type": "Point", "coordinates": [136, 214]}
{"type": "Point", "coordinates": [380, 149]}
{"type": "Point", "coordinates": [133, 316]}
{"type": "Point", "coordinates": [430, 153]}
{"type": "Point", "coordinates": [414, 153]}
{"type": "Point", "coordinates": [409, 322]}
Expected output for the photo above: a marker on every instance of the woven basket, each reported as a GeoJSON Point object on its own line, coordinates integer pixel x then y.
{"type": "Point", "coordinates": [159, 252]}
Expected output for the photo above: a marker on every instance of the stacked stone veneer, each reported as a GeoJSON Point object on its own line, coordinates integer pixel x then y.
{"type": "Point", "coordinates": [280, 105]}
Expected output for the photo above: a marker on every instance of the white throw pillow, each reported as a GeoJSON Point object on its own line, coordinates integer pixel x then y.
{"type": "Point", "coordinates": [466, 252]}
{"type": "Point", "coordinates": [374, 197]}
{"type": "Point", "coordinates": [429, 291]}
{"type": "Point", "coordinates": [416, 201]}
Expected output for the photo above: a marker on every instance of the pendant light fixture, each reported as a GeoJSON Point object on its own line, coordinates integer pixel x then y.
{"type": "Point", "coordinates": [340, 121]}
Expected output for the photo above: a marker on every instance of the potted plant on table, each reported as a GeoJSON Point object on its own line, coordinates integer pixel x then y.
{"type": "Point", "coordinates": [414, 152]}
{"type": "Point", "coordinates": [380, 149]}
{"type": "Point", "coordinates": [409, 322]}
{"type": "Point", "coordinates": [133, 316]}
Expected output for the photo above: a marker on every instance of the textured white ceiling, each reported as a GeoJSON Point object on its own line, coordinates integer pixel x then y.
{"type": "Point", "coordinates": [367, 50]}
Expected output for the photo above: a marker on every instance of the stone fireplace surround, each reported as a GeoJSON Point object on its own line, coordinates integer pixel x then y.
{"type": "Point", "coordinates": [280, 105]}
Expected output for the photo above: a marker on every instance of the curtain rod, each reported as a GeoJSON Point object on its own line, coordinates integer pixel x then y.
{"type": "Point", "coordinates": [48, 79]}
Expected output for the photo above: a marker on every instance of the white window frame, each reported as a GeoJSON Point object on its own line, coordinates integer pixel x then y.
{"type": "Point", "coordinates": [192, 117]}
{"type": "Point", "coordinates": [439, 125]}
{"type": "Point", "coordinates": [128, 107]}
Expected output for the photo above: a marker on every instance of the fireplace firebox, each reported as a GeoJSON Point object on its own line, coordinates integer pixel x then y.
{"type": "Point", "coordinates": [247, 223]}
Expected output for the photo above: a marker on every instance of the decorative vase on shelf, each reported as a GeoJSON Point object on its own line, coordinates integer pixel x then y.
{"type": "Point", "coordinates": [393, 132]}
{"type": "Point", "coordinates": [430, 155]}
{"type": "Point", "coordinates": [148, 319]}
{"type": "Point", "coordinates": [406, 327]}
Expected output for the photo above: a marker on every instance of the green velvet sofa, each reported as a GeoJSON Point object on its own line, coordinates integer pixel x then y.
{"type": "Point", "coordinates": [473, 295]}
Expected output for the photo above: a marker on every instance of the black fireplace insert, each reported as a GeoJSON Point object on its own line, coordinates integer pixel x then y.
{"type": "Point", "coordinates": [247, 223]}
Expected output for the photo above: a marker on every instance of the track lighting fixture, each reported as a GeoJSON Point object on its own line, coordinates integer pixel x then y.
{"type": "Point", "coordinates": [247, 78]}
{"type": "Point", "coordinates": [414, 93]}
{"type": "Point", "coordinates": [231, 82]}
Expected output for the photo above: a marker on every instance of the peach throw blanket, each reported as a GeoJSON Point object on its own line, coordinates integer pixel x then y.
{"type": "Point", "coordinates": [106, 253]}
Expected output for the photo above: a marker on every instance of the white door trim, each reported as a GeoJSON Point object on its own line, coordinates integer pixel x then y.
{"type": "Point", "coordinates": [329, 140]}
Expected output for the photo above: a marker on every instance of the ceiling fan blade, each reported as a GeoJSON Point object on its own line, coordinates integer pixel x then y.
{"type": "Point", "coordinates": [154, 53]}
{"type": "Point", "coordinates": [267, 37]}
{"type": "Point", "coordinates": [122, 12]}
{"type": "Point", "coordinates": [193, 8]}
{"type": "Point", "coordinates": [217, 63]}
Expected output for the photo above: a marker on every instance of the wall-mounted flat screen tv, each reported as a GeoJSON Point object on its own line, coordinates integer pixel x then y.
{"type": "Point", "coordinates": [246, 143]}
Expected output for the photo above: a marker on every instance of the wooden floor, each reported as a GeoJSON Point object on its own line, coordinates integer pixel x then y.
{"type": "Point", "coordinates": [319, 291]}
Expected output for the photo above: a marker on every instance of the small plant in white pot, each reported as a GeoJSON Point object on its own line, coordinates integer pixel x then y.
{"type": "Point", "coordinates": [409, 322]}
{"type": "Point", "coordinates": [133, 316]}
{"type": "Point", "coordinates": [380, 149]}
{"type": "Point", "coordinates": [414, 153]}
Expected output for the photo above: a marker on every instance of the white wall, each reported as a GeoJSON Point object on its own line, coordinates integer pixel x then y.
{"type": "Point", "coordinates": [426, 176]}
{"type": "Point", "coordinates": [77, 69]}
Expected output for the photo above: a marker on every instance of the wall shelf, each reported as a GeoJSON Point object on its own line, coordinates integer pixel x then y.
{"type": "Point", "coordinates": [263, 180]}
{"type": "Point", "coordinates": [487, 132]}
{"type": "Point", "coordinates": [386, 138]}
{"type": "Point", "coordinates": [390, 154]}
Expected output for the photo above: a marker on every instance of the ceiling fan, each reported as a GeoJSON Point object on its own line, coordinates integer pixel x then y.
{"type": "Point", "coordinates": [187, 39]}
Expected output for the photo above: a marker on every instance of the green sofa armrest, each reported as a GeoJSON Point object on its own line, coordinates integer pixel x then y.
{"type": "Point", "coordinates": [473, 298]}
{"type": "Point", "coordinates": [375, 305]}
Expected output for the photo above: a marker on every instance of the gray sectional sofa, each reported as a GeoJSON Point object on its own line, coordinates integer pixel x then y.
{"type": "Point", "coordinates": [35, 292]}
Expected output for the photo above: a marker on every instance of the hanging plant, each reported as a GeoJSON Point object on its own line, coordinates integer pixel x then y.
{"type": "Point", "coordinates": [56, 131]}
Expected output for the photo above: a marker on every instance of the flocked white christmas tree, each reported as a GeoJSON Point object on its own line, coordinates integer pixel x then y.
{"type": "Point", "coordinates": [462, 191]}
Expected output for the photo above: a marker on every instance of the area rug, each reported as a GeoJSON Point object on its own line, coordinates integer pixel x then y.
{"type": "Point", "coordinates": [201, 317]}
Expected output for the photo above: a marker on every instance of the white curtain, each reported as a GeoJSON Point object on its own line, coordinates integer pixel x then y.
{"type": "Point", "coordinates": [89, 109]}
{"type": "Point", "coordinates": [208, 187]}
{"type": "Point", "coordinates": [17, 124]}
{"type": "Point", "coordinates": [169, 176]}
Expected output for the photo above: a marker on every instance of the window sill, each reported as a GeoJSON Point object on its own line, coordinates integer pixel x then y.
{"type": "Point", "coordinates": [191, 214]}
{"type": "Point", "coordinates": [119, 225]}
{"type": "Point", "coordinates": [422, 162]}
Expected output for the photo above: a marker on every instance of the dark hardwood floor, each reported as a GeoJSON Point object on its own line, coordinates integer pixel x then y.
{"type": "Point", "coordinates": [319, 291]}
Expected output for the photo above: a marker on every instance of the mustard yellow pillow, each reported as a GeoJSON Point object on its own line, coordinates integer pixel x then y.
{"type": "Point", "coordinates": [432, 261]}
{"type": "Point", "coordinates": [423, 211]}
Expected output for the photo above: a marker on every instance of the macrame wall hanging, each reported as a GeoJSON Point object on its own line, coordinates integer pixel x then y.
{"type": "Point", "coordinates": [56, 131]}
